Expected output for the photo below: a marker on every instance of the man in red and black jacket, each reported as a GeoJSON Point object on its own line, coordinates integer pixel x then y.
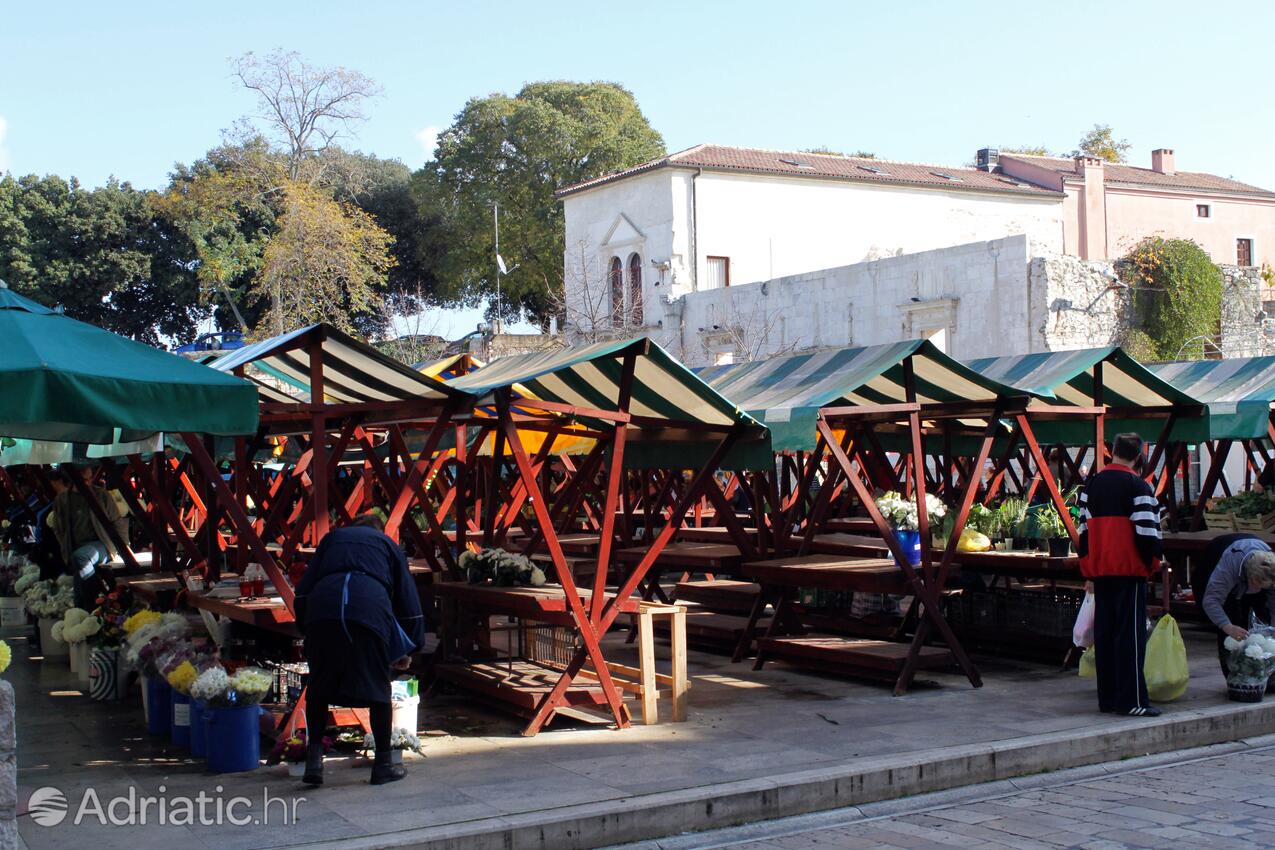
{"type": "Point", "coordinates": [1120, 548]}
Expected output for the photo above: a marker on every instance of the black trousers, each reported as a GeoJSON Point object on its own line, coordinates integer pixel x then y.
{"type": "Point", "coordinates": [1120, 642]}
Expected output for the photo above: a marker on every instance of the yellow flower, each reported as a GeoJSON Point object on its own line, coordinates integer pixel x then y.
{"type": "Point", "coordinates": [182, 676]}
{"type": "Point", "coordinates": [141, 618]}
{"type": "Point", "coordinates": [6, 655]}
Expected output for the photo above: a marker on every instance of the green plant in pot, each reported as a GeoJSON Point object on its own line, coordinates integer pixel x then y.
{"type": "Point", "coordinates": [1012, 513]}
{"type": "Point", "coordinates": [1052, 527]}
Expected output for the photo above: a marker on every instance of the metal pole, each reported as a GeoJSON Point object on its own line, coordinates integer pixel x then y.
{"type": "Point", "coordinates": [495, 214]}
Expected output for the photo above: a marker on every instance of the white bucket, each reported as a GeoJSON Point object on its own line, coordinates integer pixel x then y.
{"type": "Point", "coordinates": [50, 647]}
{"type": "Point", "coordinates": [81, 652]}
{"type": "Point", "coordinates": [406, 714]}
{"type": "Point", "coordinates": [12, 613]}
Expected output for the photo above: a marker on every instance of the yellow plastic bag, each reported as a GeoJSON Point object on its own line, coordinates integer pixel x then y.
{"type": "Point", "coordinates": [1165, 664]}
{"type": "Point", "coordinates": [972, 541]}
{"type": "Point", "coordinates": [1087, 668]}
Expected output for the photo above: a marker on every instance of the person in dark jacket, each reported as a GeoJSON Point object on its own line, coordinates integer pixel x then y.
{"type": "Point", "coordinates": [1234, 579]}
{"type": "Point", "coordinates": [1120, 549]}
{"type": "Point", "coordinates": [355, 602]}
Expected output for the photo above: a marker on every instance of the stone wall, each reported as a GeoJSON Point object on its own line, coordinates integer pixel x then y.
{"type": "Point", "coordinates": [1247, 326]}
{"type": "Point", "coordinates": [8, 767]}
{"type": "Point", "coordinates": [1080, 304]}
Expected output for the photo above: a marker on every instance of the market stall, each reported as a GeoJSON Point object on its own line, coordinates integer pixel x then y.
{"type": "Point", "coordinates": [642, 409]}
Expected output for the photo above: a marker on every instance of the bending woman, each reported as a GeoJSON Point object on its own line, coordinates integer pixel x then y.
{"type": "Point", "coordinates": [1235, 578]}
{"type": "Point", "coordinates": [358, 610]}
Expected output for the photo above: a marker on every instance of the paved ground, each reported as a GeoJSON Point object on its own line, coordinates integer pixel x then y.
{"type": "Point", "coordinates": [1222, 802]}
{"type": "Point", "coordinates": [744, 725]}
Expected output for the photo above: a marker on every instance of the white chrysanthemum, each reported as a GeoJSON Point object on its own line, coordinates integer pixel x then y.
{"type": "Point", "coordinates": [74, 616]}
{"type": "Point", "coordinates": [1231, 644]}
{"type": "Point", "coordinates": [1253, 651]}
{"type": "Point", "coordinates": [58, 629]}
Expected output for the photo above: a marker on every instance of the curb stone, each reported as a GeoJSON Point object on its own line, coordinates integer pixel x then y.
{"type": "Point", "coordinates": [866, 785]}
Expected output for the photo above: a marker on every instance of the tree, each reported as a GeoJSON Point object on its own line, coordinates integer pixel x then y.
{"type": "Point", "coordinates": [105, 255]}
{"type": "Point", "coordinates": [1101, 142]}
{"type": "Point", "coordinates": [515, 152]}
{"type": "Point", "coordinates": [305, 108]}
{"type": "Point", "coordinates": [324, 264]}
{"type": "Point", "coordinates": [591, 307]}
{"type": "Point", "coordinates": [1026, 150]}
{"type": "Point", "coordinates": [1177, 297]}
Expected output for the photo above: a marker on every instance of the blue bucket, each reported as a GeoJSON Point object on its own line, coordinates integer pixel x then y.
{"type": "Point", "coordinates": [181, 719]}
{"type": "Point", "coordinates": [198, 733]}
{"type": "Point", "coordinates": [159, 699]}
{"type": "Point", "coordinates": [910, 543]}
{"type": "Point", "coordinates": [233, 738]}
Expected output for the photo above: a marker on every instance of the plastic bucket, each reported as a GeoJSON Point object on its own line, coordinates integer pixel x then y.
{"type": "Point", "coordinates": [50, 648]}
{"type": "Point", "coordinates": [910, 543]}
{"type": "Point", "coordinates": [406, 712]}
{"type": "Point", "coordinates": [159, 700]}
{"type": "Point", "coordinates": [181, 719]}
{"type": "Point", "coordinates": [198, 732]}
{"type": "Point", "coordinates": [233, 738]}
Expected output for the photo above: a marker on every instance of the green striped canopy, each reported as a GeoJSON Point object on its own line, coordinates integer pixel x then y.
{"type": "Point", "coordinates": [1126, 383]}
{"type": "Point", "coordinates": [63, 380]}
{"type": "Point", "coordinates": [663, 389]}
{"type": "Point", "coordinates": [787, 393]}
{"type": "Point", "coordinates": [1239, 392]}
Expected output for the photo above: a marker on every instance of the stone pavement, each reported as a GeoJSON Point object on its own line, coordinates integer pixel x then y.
{"type": "Point", "coordinates": [758, 745]}
{"type": "Point", "coordinates": [1221, 802]}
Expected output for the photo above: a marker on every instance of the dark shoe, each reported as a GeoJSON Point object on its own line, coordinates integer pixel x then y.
{"type": "Point", "coordinates": [384, 773]}
{"type": "Point", "coordinates": [313, 766]}
{"type": "Point", "coordinates": [1143, 712]}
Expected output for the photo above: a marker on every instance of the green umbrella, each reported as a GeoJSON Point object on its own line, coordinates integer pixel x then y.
{"type": "Point", "coordinates": [65, 380]}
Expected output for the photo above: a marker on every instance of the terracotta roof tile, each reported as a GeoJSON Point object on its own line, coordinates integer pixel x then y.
{"type": "Point", "coordinates": [827, 167]}
{"type": "Point", "coordinates": [1134, 176]}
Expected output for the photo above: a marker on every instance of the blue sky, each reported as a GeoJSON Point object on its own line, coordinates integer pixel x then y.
{"type": "Point", "coordinates": [95, 89]}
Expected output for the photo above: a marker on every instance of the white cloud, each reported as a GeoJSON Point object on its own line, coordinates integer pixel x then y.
{"type": "Point", "coordinates": [4, 151]}
{"type": "Point", "coordinates": [428, 139]}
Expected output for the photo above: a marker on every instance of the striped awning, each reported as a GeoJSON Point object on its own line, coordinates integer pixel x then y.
{"type": "Point", "coordinates": [353, 372]}
{"type": "Point", "coordinates": [1127, 386]}
{"type": "Point", "coordinates": [664, 393]}
{"type": "Point", "coordinates": [1239, 392]}
{"type": "Point", "coordinates": [787, 393]}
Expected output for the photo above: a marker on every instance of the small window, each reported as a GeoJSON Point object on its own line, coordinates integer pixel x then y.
{"type": "Point", "coordinates": [718, 273]}
{"type": "Point", "coordinates": [1202, 210]}
{"type": "Point", "coordinates": [616, 280]}
{"type": "Point", "coordinates": [1244, 252]}
{"type": "Point", "coordinates": [873, 169]}
{"type": "Point", "coordinates": [797, 164]}
{"type": "Point", "coordinates": [946, 176]}
{"type": "Point", "coordinates": [635, 288]}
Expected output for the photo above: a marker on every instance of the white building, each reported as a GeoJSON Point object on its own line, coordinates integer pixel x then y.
{"type": "Point", "coordinates": [714, 216]}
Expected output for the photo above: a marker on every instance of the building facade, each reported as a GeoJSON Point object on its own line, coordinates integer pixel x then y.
{"type": "Point", "coordinates": [714, 249]}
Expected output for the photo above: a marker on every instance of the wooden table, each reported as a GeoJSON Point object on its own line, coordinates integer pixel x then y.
{"type": "Point", "coordinates": [521, 684]}
{"type": "Point", "coordinates": [264, 612]}
{"type": "Point", "coordinates": [154, 588]}
{"type": "Point", "coordinates": [1020, 564]}
{"type": "Point", "coordinates": [714, 534]}
{"type": "Point", "coordinates": [709, 558]}
{"type": "Point", "coordinates": [780, 577]}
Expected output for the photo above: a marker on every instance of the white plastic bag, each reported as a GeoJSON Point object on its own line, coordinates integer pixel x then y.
{"type": "Point", "coordinates": [1082, 632]}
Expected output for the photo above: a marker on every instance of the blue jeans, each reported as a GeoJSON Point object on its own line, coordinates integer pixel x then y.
{"type": "Point", "coordinates": [84, 561]}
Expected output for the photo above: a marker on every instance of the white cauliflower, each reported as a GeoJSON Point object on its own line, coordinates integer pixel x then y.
{"type": "Point", "coordinates": [1230, 644]}
{"type": "Point", "coordinates": [1253, 651]}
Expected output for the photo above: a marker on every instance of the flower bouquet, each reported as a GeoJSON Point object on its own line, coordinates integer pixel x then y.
{"type": "Point", "coordinates": [112, 612]}
{"type": "Point", "coordinates": [75, 628]}
{"type": "Point", "coordinates": [500, 568]}
{"type": "Point", "coordinates": [1252, 661]}
{"type": "Point", "coordinates": [904, 518]}
{"type": "Point", "coordinates": [292, 749]}
{"type": "Point", "coordinates": [401, 741]}
{"type": "Point", "coordinates": [51, 598]}
{"type": "Point", "coordinates": [218, 689]}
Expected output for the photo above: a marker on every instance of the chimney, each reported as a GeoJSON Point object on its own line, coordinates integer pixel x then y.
{"type": "Point", "coordinates": [1162, 161]}
{"type": "Point", "coordinates": [987, 159]}
{"type": "Point", "coordinates": [1092, 209]}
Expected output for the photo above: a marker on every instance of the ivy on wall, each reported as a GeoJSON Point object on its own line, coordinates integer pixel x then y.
{"type": "Point", "coordinates": [1177, 298]}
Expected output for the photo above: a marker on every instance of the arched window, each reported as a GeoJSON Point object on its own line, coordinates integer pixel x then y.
{"type": "Point", "coordinates": [635, 288]}
{"type": "Point", "coordinates": [616, 278]}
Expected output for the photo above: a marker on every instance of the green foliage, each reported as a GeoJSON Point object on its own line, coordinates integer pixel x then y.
{"type": "Point", "coordinates": [517, 151]}
{"type": "Point", "coordinates": [1247, 505]}
{"type": "Point", "coordinates": [983, 520]}
{"type": "Point", "coordinates": [1026, 150]}
{"type": "Point", "coordinates": [824, 150]}
{"type": "Point", "coordinates": [1049, 523]}
{"type": "Point", "coordinates": [1101, 142]}
{"type": "Point", "coordinates": [1177, 296]}
{"type": "Point", "coordinates": [104, 254]}
{"type": "Point", "coordinates": [1011, 517]}
{"type": "Point", "coordinates": [1139, 345]}
{"type": "Point", "coordinates": [501, 568]}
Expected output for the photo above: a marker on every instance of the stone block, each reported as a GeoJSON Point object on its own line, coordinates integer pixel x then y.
{"type": "Point", "coordinates": [8, 726]}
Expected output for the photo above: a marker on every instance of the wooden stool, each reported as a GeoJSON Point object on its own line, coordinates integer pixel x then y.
{"type": "Point", "coordinates": [649, 680]}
